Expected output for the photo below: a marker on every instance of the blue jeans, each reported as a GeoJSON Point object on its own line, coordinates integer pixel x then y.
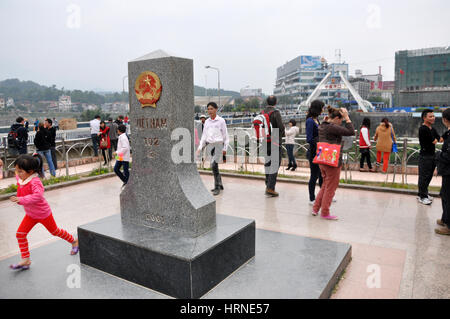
{"type": "Point", "coordinates": [126, 174]}
{"type": "Point", "coordinates": [291, 156]}
{"type": "Point", "coordinates": [48, 156]}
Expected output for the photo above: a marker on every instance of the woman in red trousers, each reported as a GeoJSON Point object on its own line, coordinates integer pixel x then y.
{"type": "Point", "coordinates": [331, 132]}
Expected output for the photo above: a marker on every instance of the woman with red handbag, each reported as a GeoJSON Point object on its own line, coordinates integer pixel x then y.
{"type": "Point", "coordinates": [105, 142]}
{"type": "Point", "coordinates": [329, 157]}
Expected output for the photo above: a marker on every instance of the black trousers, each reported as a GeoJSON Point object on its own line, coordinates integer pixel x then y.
{"type": "Point", "coordinates": [445, 198]}
{"type": "Point", "coordinates": [114, 144]}
{"type": "Point", "coordinates": [271, 170]}
{"type": "Point", "coordinates": [215, 150]}
{"type": "Point", "coordinates": [427, 164]}
{"type": "Point", "coordinates": [315, 175]}
{"type": "Point", "coordinates": [365, 156]}
{"type": "Point", "coordinates": [106, 158]}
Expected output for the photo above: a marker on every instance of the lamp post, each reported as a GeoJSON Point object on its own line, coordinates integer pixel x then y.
{"type": "Point", "coordinates": [123, 83]}
{"type": "Point", "coordinates": [218, 80]}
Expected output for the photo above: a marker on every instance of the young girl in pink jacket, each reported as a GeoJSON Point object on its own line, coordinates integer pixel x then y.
{"type": "Point", "coordinates": [30, 194]}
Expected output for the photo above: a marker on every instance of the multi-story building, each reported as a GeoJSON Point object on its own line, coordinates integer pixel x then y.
{"type": "Point", "coordinates": [10, 102]}
{"type": "Point", "coordinates": [298, 78]}
{"type": "Point", "coordinates": [422, 77]}
{"type": "Point", "coordinates": [362, 86]}
{"type": "Point", "coordinates": [248, 92]}
{"type": "Point", "coordinates": [64, 103]}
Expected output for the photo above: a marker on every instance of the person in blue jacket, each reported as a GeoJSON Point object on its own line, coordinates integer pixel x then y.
{"type": "Point", "coordinates": [312, 137]}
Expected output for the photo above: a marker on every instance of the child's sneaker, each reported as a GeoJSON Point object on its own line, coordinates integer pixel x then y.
{"type": "Point", "coordinates": [311, 202]}
{"type": "Point", "coordinates": [315, 213]}
{"type": "Point", "coordinates": [330, 217]}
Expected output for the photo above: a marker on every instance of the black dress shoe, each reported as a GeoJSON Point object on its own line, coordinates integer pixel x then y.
{"type": "Point", "coordinates": [219, 187]}
{"type": "Point", "coordinates": [216, 191]}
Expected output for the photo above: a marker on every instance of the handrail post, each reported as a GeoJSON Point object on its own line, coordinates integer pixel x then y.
{"type": "Point", "coordinates": [4, 168]}
{"type": "Point", "coordinates": [404, 155]}
{"type": "Point", "coordinates": [66, 155]}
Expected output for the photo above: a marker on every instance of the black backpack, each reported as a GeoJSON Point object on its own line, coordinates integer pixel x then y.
{"type": "Point", "coordinates": [12, 138]}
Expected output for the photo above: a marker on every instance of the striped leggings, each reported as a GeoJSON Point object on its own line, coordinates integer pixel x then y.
{"type": "Point", "coordinates": [28, 223]}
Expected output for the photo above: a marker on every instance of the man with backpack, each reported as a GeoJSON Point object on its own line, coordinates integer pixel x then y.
{"type": "Point", "coordinates": [18, 137]}
{"type": "Point", "coordinates": [273, 137]}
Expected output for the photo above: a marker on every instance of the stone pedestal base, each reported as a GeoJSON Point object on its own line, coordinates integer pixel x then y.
{"type": "Point", "coordinates": [177, 266]}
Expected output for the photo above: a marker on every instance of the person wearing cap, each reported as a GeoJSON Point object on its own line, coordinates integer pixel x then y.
{"type": "Point", "coordinates": [203, 119]}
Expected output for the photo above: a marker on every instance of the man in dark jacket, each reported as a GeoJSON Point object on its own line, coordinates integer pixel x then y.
{"type": "Point", "coordinates": [273, 151]}
{"type": "Point", "coordinates": [443, 167]}
{"type": "Point", "coordinates": [20, 128]}
{"type": "Point", "coordinates": [113, 136]}
{"type": "Point", "coordinates": [428, 138]}
{"type": "Point", "coordinates": [51, 136]}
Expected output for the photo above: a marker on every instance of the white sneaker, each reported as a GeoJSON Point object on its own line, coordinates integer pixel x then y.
{"type": "Point", "coordinates": [430, 197]}
{"type": "Point", "coordinates": [334, 200]}
{"type": "Point", "coordinates": [425, 201]}
{"type": "Point", "coordinates": [311, 202]}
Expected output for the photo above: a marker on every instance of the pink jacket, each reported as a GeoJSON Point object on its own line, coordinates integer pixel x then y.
{"type": "Point", "coordinates": [30, 193]}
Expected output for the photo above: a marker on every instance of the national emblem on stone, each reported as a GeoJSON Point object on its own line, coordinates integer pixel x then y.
{"type": "Point", "coordinates": [148, 88]}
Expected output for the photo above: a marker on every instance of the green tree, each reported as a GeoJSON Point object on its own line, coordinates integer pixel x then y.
{"type": "Point", "coordinates": [90, 114]}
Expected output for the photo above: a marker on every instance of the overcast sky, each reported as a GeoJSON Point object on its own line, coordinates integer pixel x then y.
{"type": "Point", "coordinates": [87, 44]}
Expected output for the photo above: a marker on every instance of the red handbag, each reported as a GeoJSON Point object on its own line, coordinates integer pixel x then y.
{"type": "Point", "coordinates": [327, 154]}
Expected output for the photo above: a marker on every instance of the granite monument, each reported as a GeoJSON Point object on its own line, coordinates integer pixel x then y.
{"type": "Point", "coordinates": [168, 236]}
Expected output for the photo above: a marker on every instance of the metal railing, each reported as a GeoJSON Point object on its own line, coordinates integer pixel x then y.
{"type": "Point", "coordinates": [76, 144]}
{"type": "Point", "coordinates": [67, 147]}
{"type": "Point", "coordinates": [407, 155]}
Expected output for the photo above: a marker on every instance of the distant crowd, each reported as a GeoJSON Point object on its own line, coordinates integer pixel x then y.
{"type": "Point", "coordinates": [325, 141]}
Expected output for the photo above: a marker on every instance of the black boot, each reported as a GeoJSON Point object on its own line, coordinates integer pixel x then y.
{"type": "Point", "coordinates": [289, 167]}
{"type": "Point", "coordinates": [294, 168]}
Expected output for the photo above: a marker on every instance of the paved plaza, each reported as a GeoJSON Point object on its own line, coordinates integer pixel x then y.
{"type": "Point", "coordinates": [392, 236]}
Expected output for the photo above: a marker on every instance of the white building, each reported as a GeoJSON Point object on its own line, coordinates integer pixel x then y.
{"type": "Point", "coordinates": [299, 77]}
{"type": "Point", "coordinates": [10, 102]}
{"type": "Point", "coordinates": [64, 103]}
{"type": "Point", "coordinates": [248, 92]}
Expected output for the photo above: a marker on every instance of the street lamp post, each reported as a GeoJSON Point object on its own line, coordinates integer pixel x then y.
{"type": "Point", "coordinates": [218, 80]}
{"type": "Point", "coordinates": [123, 83]}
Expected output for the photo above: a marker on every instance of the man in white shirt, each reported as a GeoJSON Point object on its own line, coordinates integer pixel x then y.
{"type": "Point", "coordinates": [95, 131]}
{"type": "Point", "coordinates": [215, 135]}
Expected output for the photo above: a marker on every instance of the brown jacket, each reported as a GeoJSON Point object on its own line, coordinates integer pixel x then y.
{"type": "Point", "coordinates": [332, 134]}
{"type": "Point", "coordinates": [383, 138]}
